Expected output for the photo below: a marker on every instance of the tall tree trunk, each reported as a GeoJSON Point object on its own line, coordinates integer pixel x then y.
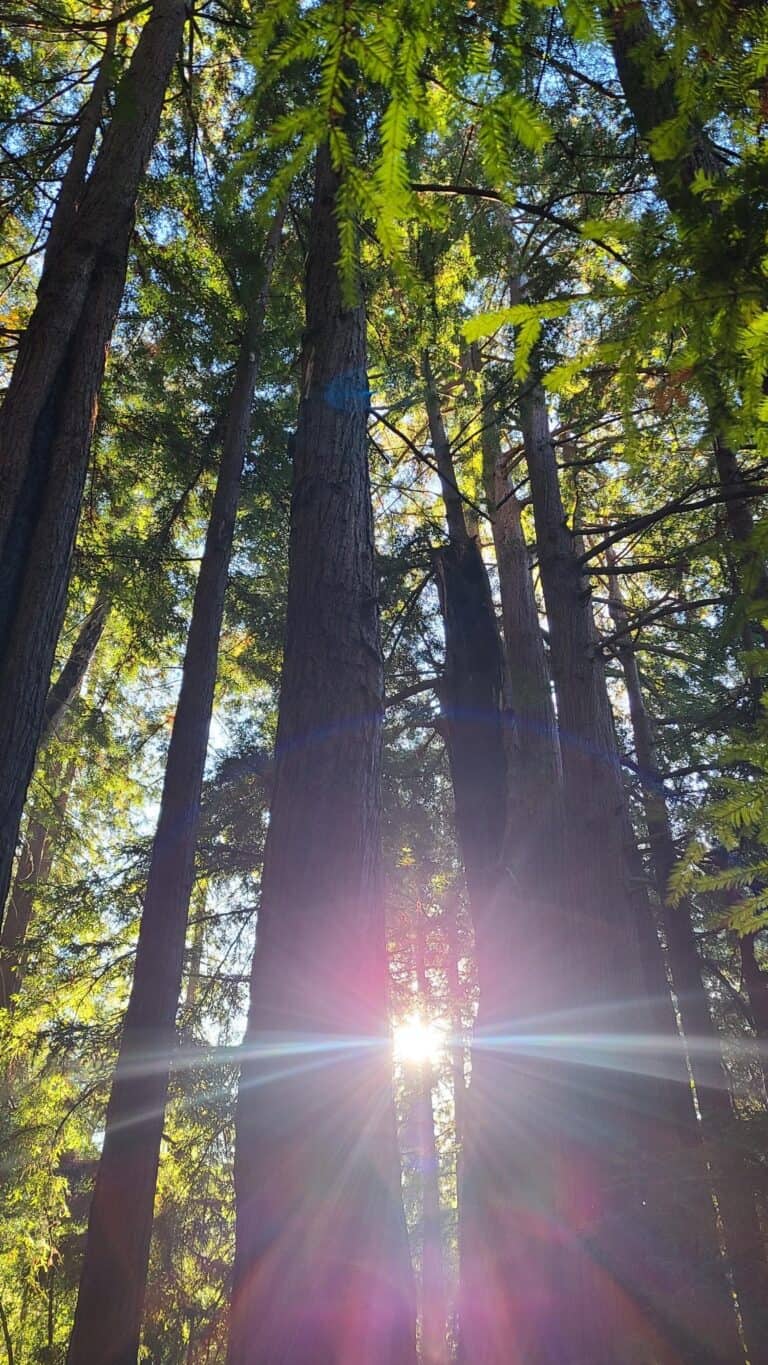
{"type": "Point", "coordinates": [735, 1191]}
{"type": "Point", "coordinates": [458, 1046]}
{"type": "Point", "coordinates": [47, 418]}
{"type": "Point", "coordinates": [434, 1297]}
{"type": "Point", "coordinates": [625, 1238]}
{"type": "Point", "coordinates": [113, 1278]}
{"type": "Point", "coordinates": [533, 745]}
{"type": "Point", "coordinates": [75, 176]}
{"type": "Point", "coordinates": [472, 687]}
{"type": "Point", "coordinates": [503, 1177]}
{"type": "Point", "coordinates": [322, 1270]}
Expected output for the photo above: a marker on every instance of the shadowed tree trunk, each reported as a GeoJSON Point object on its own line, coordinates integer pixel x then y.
{"type": "Point", "coordinates": [434, 1297]}
{"type": "Point", "coordinates": [639, 1268]}
{"type": "Point", "coordinates": [505, 1173]}
{"type": "Point", "coordinates": [322, 1270]}
{"type": "Point", "coordinates": [756, 982]}
{"type": "Point", "coordinates": [532, 739]}
{"type": "Point", "coordinates": [471, 693]}
{"type": "Point", "coordinates": [67, 686]}
{"type": "Point", "coordinates": [113, 1278]}
{"type": "Point", "coordinates": [736, 1197]}
{"type": "Point", "coordinates": [47, 417]}
{"type": "Point", "coordinates": [456, 991]}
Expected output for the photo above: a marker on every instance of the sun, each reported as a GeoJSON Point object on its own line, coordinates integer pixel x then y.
{"type": "Point", "coordinates": [418, 1041]}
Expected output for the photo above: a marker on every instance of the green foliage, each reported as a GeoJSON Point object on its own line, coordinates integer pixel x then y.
{"type": "Point", "coordinates": [546, 251]}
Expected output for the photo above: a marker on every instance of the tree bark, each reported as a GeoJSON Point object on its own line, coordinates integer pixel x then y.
{"type": "Point", "coordinates": [471, 699]}
{"type": "Point", "coordinates": [322, 1270]}
{"type": "Point", "coordinates": [653, 102]}
{"type": "Point", "coordinates": [75, 176]}
{"type": "Point", "coordinates": [503, 1175]}
{"type": "Point", "coordinates": [113, 1278]}
{"type": "Point", "coordinates": [533, 747]}
{"type": "Point", "coordinates": [756, 982]}
{"type": "Point", "coordinates": [434, 1297]}
{"type": "Point", "coordinates": [735, 1190]}
{"type": "Point", "coordinates": [628, 1234]}
{"type": "Point", "coordinates": [66, 688]}
{"type": "Point", "coordinates": [47, 418]}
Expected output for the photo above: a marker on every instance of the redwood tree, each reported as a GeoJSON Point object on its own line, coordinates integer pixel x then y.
{"type": "Point", "coordinates": [322, 1273]}
{"type": "Point", "coordinates": [48, 415]}
{"type": "Point", "coordinates": [113, 1279]}
{"type": "Point", "coordinates": [623, 1128]}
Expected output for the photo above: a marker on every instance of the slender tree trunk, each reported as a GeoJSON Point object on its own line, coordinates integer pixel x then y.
{"type": "Point", "coordinates": [505, 1174]}
{"type": "Point", "coordinates": [458, 1049]}
{"type": "Point", "coordinates": [37, 849]}
{"type": "Point", "coordinates": [7, 1339]}
{"type": "Point", "coordinates": [322, 1270]}
{"type": "Point", "coordinates": [434, 1296]}
{"type": "Point", "coordinates": [113, 1278]}
{"type": "Point", "coordinates": [66, 688]}
{"type": "Point", "coordinates": [196, 953]}
{"type": "Point", "coordinates": [47, 418]}
{"type": "Point", "coordinates": [735, 1190]}
{"type": "Point", "coordinates": [33, 870]}
{"type": "Point", "coordinates": [756, 982]}
{"type": "Point", "coordinates": [533, 745]}
{"type": "Point", "coordinates": [472, 688]}
{"type": "Point", "coordinates": [628, 1234]}
{"type": "Point", "coordinates": [75, 176]}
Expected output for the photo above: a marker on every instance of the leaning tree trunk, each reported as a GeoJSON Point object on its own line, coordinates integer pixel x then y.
{"type": "Point", "coordinates": [322, 1269]}
{"type": "Point", "coordinates": [66, 688]}
{"type": "Point", "coordinates": [47, 418]}
{"type": "Point", "coordinates": [113, 1278]}
{"type": "Point", "coordinates": [639, 1268]}
{"type": "Point", "coordinates": [736, 1197]}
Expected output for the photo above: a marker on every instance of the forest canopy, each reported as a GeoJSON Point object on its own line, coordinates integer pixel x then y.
{"type": "Point", "coordinates": [383, 729]}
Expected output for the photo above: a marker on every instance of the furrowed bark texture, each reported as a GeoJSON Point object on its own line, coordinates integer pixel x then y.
{"type": "Point", "coordinates": [113, 1278]}
{"type": "Point", "coordinates": [639, 1268]}
{"type": "Point", "coordinates": [47, 418]}
{"type": "Point", "coordinates": [504, 1170]}
{"type": "Point", "coordinates": [533, 746]}
{"type": "Point", "coordinates": [63, 691]}
{"type": "Point", "coordinates": [736, 1198]}
{"type": "Point", "coordinates": [322, 1270]}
